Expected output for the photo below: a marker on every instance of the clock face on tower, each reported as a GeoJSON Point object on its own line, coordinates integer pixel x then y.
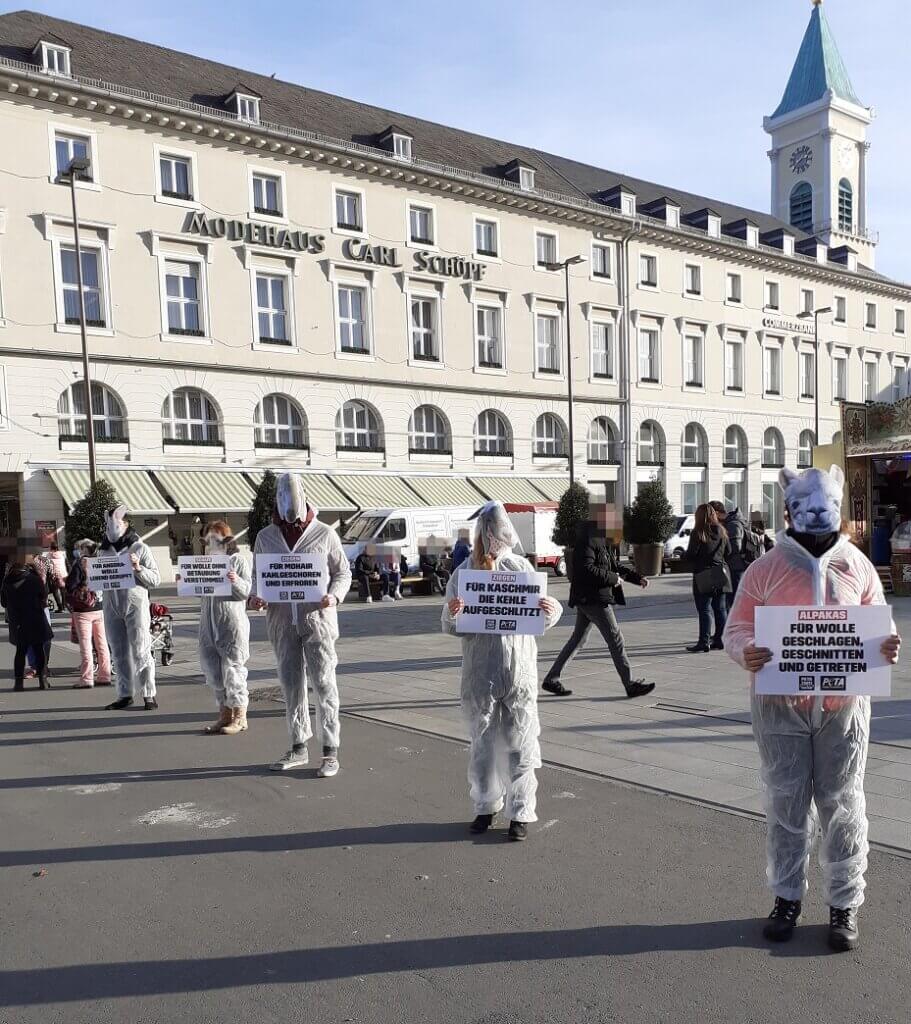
{"type": "Point", "coordinates": [801, 159]}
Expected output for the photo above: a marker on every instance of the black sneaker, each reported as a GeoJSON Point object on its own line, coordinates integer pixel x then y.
{"type": "Point", "coordinates": [555, 687]}
{"type": "Point", "coordinates": [119, 705]}
{"type": "Point", "coordinates": [639, 688]}
{"type": "Point", "coordinates": [783, 920]}
{"type": "Point", "coordinates": [481, 823]}
{"type": "Point", "coordinates": [150, 704]}
{"type": "Point", "coordinates": [843, 932]}
{"type": "Point", "coordinates": [518, 831]}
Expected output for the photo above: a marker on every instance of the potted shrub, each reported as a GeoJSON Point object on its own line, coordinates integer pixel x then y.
{"type": "Point", "coordinates": [647, 524]}
{"type": "Point", "coordinates": [573, 509]}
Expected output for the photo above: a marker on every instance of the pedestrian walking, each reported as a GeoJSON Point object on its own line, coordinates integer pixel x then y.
{"type": "Point", "coordinates": [499, 690]}
{"type": "Point", "coordinates": [707, 555]}
{"type": "Point", "coordinates": [594, 590]}
{"type": "Point", "coordinates": [24, 596]}
{"type": "Point", "coordinates": [812, 749]}
{"type": "Point", "coordinates": [88, 620]}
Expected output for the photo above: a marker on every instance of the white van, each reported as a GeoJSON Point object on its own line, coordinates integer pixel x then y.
{"type": "Point", "coordinates": [406, 528]}
{"type": "Point", "coordinates": [675, 546]}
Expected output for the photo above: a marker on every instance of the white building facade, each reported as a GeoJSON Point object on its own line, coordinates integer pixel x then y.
{"type": "Point", "coordinates": [278, 278]}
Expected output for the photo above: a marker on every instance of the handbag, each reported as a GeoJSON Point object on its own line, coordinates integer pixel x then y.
{"type": "Point", "coordinates": [81, 600]}
{"type": "Point", "coordinates": [714, 577]}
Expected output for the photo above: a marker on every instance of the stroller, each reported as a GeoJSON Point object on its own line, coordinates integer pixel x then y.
{"type": "Point", "coordinates": [162, 630]}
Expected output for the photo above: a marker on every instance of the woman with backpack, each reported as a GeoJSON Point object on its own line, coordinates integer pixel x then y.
{"type": "Point", "coordinates": [708, 553]}
{"type": "Point", "coordinates": [87, 619]}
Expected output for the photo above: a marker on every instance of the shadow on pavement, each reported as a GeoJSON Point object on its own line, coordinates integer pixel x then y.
{"type": "Point", "coordinates": [103, 778]}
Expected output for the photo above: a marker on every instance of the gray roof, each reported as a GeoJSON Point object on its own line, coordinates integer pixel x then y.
{"type": "Point", "coordinates": [141, 65]}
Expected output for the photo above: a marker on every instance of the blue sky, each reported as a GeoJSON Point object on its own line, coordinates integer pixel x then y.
{"type": "Point", "coordinates": [669, 90]}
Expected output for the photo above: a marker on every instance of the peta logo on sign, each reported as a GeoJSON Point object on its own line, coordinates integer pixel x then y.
{"type": "Point", "coordinates": [507, 625]}
{"type": "Point", "coordinates": [830, 683]}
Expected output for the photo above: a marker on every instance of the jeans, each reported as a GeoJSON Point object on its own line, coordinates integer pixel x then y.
{"type": "Point", "coordinates": [735, 583]}
{"type": "Point", "coordinates": [602, 616]}
{"type": "Point", "coordinates": [36, 652]}
{"type": "Point", "coordinates": [363, 584]}
{"type": "Point", "coordinates": [707, 605]}
{"type": "Point", "coordinates": [390, 582]}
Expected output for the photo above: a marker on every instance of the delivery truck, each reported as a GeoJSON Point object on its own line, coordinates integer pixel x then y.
{"type": "Point", "coordinates": [534, 525]}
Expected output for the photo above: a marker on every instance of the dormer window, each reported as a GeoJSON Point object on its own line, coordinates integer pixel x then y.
{"type": "Point", "coordinates": [397, 141]}
{"type": "Point", "coordinates": [526, 179]}
{"type": "Point", "coordinates": [55, 57]}
{"type": "Point", "coordinates": [520, 174]}
{"type": "Point", "coordinates": [401, 146]}
{"type": "Point", "coordinates": [246, 106]}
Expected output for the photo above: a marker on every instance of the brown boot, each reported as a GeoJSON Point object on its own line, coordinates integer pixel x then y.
{"type": "Point", "coordinates": [224, 718]}
{"type": "Point", "coordinates": [238, 722]}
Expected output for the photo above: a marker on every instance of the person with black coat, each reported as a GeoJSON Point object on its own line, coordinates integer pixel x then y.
{"type": "Point", "coordinates": [594, 590]}
{"type": "Point", "coordinates": [24, 596]}
{"type": "Point", "coordinates": [708, 556]}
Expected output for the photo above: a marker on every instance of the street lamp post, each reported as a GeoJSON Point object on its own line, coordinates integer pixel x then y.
{"type": "Point", "coordinates": [815, 313]}
{"type": "Point", "coordinates": [79, 165]}
{"type": "Point", "coordinates": [564, 266]}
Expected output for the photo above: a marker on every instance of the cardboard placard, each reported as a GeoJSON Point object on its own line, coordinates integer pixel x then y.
{"type": "Point", "coordinates": [111, 572]}
{"type": "Point", "coordinates": [501, 602]}
{"type": "Point", "coordinates": [824, 650]}
{"type": "Point", "coordinates": [282, 579]}
{"type": "Point", "coordinates": [203, 576]}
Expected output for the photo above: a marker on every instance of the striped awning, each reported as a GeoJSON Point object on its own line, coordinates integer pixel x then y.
{"type": "Point", "coordinates": [517, 490]}
{"type": "Point", "coordinates": [206, 490]}
{"type": "Point", "coordinates": [133, 487]}
{"type": "Point", "coordinates": [552, 486]}
{"type": "Point", "coordinates": [319, 488]}
{"type": "Point", "coordinates": [445, 490]}
{"type": "Point", "coordinates": [371, 490]}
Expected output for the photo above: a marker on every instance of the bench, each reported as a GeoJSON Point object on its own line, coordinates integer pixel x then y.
{"type": "Point", "coordinates": [416, 583]}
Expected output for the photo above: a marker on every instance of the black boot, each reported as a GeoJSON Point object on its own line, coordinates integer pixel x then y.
{"type": "Point", "coordinates": [151, 704]}
{"type": "Point", "coordinates": [481, 823]}
{"type": "Point", "coordinates": [639, 688]}
{"type": "Point", "coordinates": [701, 647]}
{"type": "Point", "coordinates": [19, 685]}
{"type": "Point", "coordinates": [783, 920]}
{"type": "Point", "coordinates": [843, 931]}
{"type": "Point", "coordinates": [518, 831]}
{"type": "Point", "coordinates": [717, 645]}
{"type": "Point", "coordinates": [119, 705]}
{"type": "Point", "coordinates": [43, 682]}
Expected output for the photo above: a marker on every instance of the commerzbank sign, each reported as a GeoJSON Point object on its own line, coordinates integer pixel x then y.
{"type": "Point", "coordinates": [357, 250]}
{"type": "Point", "coordinates": [780, 323]}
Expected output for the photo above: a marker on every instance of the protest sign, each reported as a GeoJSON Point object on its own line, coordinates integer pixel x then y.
{"type": "Point", "coordinates": [824, 650]}
{"type": "Point", "coordinates": [287, 578]}
{"type": "Point", "coordinates": [501, 602]}
{"type": "Point", "coordinates": [111, 572]}
{"type": "Point", "coordinates": [203, 576]}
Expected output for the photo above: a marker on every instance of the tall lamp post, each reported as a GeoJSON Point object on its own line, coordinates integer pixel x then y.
{"type": "Point", "coordinates": [564, 265]}
{"type": "Point", "coordinates": [815, 313]}
{"type": "Point", "coordinates": [79, 165]}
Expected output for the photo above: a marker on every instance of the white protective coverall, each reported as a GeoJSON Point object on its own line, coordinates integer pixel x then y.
{"type": "Point", "coordinates": [303, 635]}
{"type": "Point", "coordinates": [127, 621]}
{"type": "Point", "coordinates": [813, 750]}
{"type": "Point", "coordinates": [499, 692]}
{"type": "Point", "coordinates": [224, 638]}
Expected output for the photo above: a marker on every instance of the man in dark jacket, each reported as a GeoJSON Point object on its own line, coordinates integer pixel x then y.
{"type": "Point", "coordinates": [366, 571]}
{"type": "Point", "coordinates": [461, 550]}
{"type": "Point", "coordinates": [735, 527]}
{"type": "Point", "coordinates": [594, 590]}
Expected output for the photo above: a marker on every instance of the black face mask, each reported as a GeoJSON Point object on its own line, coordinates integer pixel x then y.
{"type": "Point", "coordinates": [816, 543]}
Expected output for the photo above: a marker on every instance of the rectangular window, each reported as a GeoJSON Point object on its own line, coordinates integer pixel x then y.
{"type": "Point", "coordinates": [490, 337]}
{"type": "Point", "coordinates": [485, 238]}
{"type": "Point", "coordinates": [734, 491]}
{"type": "Point", "coordinates": [841, 309]}
{"type": "Point", "coordinates": [772, 295]}
{"type": "Point", "coordinates": [840, 376]}
{"type": "Point", "coordinates": [899, 321]}
{"type": "Point", "coordinates": [871, 382]}
{"type": "Point", "coordinates": [692, 279]}
{"type": "Point", "coordinates": [176, 177]}
{"type": "Point", "coordinates": [248, 109]}
{"type": "Point", "coordinates": [692, 348]}
{"type": "Point", "coordinates": [772, 506]}
{"type": "Point", "coordinates": [93, 294]}
{"type": "Point", "coordinates": [733, 365]}
{"type": "Point", "coordinates": [601, 261]}
{"type": "Point", "coordinates": [424, 330]}
{"type": "Point", "coordinates": [771, 370]}
{"type": "Point", "coordinates": [56, 60]}
{"type": "Point", "coordinates": [401, 146]}
{"type": "Point", "coordinates": [807, 375]}
{"type": "Point", "coordinates": [348, 212]}
{"type": "Point", "coordinates": [545, 249]}
{"type": "Point", "coordinates": [648, 355]}
{"type": "Point", "coordinates": [352, 319]}
{"type": "Point", "coordinates": [420, 225]}
{"type": "Point", "coordinates": [267, 195]}
{"type": "Point", "coordinates": [526, 178]}
{"type": "Point", "coordinates": [870, 318]}
{"type": "Point", "coordinates": [899, 379]}
{"type": "Point", "coordinates": [68, 148]}
{"type": "Point", "coordinates": [603, 350]}
{"type": "Point", "coordinates": [734, 288]}
{"type": "Point", "coordinates": [272, 309]}
{"type": "Point", "coordinates": [547, 341]}
{"type": "Point", "coordinates": [183, 299]}
{"type": "Point", "coordinates": [691, 498]}
{"type": "Point", "coordinates": [648, 271]}
{"type": "Point", "coordinates": [807, 303]}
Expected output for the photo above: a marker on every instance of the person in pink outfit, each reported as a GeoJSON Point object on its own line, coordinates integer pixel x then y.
{"type": "Point", "coordinates": [88, 621]}
{"type": "Point", "coordinates": [813, 749]}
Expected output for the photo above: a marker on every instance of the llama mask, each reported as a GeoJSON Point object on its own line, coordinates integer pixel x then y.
{"type": "Point", "coordinates": [813, 499]}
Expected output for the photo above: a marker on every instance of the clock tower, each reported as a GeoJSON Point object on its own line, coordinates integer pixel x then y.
{"type": "Point", "coordinates": [819, 147]}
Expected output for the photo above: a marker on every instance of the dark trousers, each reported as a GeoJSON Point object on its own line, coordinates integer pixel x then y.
{"type": "Point", "coordinates": [37, 653]}
{"type": "Point", "coordinates": [389, 582]}
{"type": "Point", "coordinates": [735, 583]}
{"type": "Point", "coordinates": [363, 584]}
{"type": "Point", "coordinates": [711, 605]}
{"type": "Point", "coordinates": [602, 616]}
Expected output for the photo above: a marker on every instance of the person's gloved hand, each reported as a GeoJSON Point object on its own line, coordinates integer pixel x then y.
{"type": "Point", "coordinates": [755, 658]}
{"type": "Point", "coordinates": [457, 604]}
{"type": "Point", "coordinates": [257, 603]}
{"type": "Point", "coordinates": [890, 648]}
{"type": "Point", "coordinates": [328, 601]}
{"type": "Point", "coordinates": [548, 605]}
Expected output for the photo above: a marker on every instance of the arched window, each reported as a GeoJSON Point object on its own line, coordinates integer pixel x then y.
{"type": "Point", "coordinates": [189, 416]}
{"type": "Point", "coordinates": [735, 447]}
{"type": "Point", "coordinates": [357, 428]}
{"type": "Point", "coordinates": [805, 446]}
{"type": "Point", "coordinates": [650, 451]}
{"type": "Point", "coordinates": [694, 447]}
{"type": "Point", "coordinates": [550, 435]}
{"type": "Point", "coordinates": [107, 414]}
{"type": "Point", "coordinates": [772, 448]}
{"type": "Point", "coordinates": [845, 206]}
{"type": "Point", "coordinates": [603, 442]}
{"type": "Point", "coordinates": [428, 431]}
{"type": "Point", "coordinates": [802, 206]}
{"type": "Point", "coordinates": [492, 435]}
{"type": "Point", "coordinates": [279, 423]}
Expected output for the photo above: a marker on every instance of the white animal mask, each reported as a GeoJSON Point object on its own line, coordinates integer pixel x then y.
{"type": "Point", "coordinates": [290, 498]}
{"type": "Point", "coordinates": [813, 499]}
{"type": "Point", "coordinates": [115, 523]}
